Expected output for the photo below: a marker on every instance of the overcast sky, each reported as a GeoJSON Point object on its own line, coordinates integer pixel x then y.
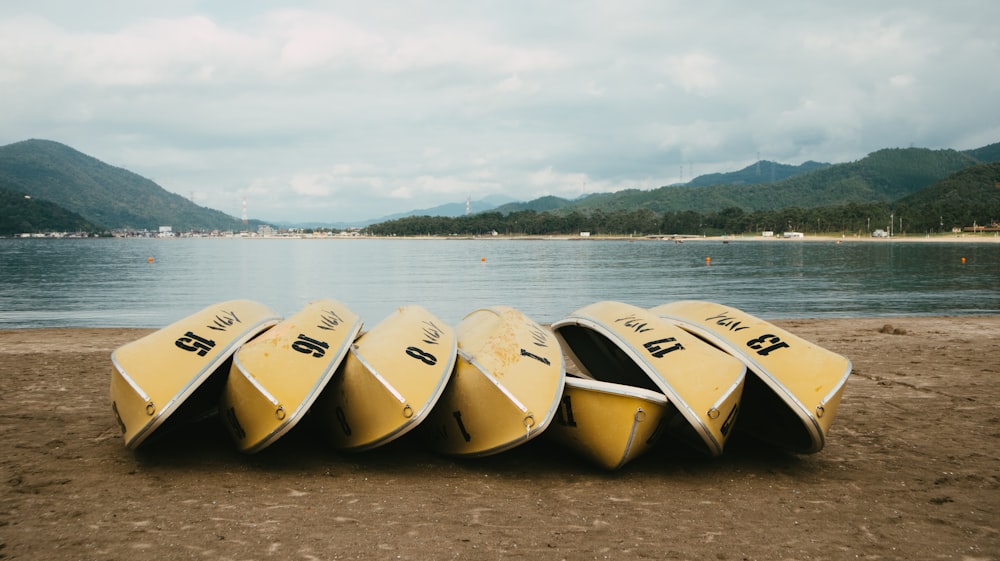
{"type": "Point", "coordinates": [339, 111]}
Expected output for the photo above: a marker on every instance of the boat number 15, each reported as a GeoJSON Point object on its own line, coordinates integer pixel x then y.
{"type": "Point", "coordinates": [765, 344]}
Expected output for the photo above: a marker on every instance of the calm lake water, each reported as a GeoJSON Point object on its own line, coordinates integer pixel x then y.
{"type": "Point", "coordinates": [113, 283]}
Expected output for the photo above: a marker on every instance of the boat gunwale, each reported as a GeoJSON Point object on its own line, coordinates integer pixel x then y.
{"type": "Point", "coordinates": [614, 388]}
{"type": "Point", "coordinates": [418, 415]}
{"type": "Point", "coordinates": [714, 447]}
{"type": "Point", "coordinates": [195, 381]}
{"type": "Point", "coordinates": [292, 419]}
{"type": "Point", "coordinates": [809, 420]}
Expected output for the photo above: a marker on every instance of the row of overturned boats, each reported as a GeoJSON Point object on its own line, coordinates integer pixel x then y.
{"type": "Point", "coordinates": [692, 372]}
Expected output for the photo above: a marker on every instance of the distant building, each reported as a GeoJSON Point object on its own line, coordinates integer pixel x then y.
{"type": "Point", "coordinates": [793, 235]}
{"type": "Point", "coordinates": [166, 232]}
{"type": "Point", "coordinates": [880, 234]}
{"type": "Point", "coordinates": [994, 227]}
{"type": "Point", "coordinates": [767, 234]}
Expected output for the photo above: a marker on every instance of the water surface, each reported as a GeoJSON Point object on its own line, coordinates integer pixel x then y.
{"type": "Point", "coordinates": [113, 282]}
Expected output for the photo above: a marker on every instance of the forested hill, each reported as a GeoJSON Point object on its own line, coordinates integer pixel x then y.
{"type": "Point", "coordinates": [763, 171]}
{"type": "Point", "coordinates": [967, 198]}
{"type": "Point", "coordinates": [970, 197]}
{"type": "Point", "coordinates": [882, 176]}
{"type": "Point", "coordinates": [104, 195]}
{"type": "Point", "coordinates": [39, 176]}
{"type": "Point", "coordinates": [21, 213]}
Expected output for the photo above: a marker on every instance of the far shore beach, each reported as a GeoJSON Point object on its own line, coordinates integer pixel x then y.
{"type": "Point", "coordinates": [968, 238]}
{"type": "Point", "coordinates": [989, 237]}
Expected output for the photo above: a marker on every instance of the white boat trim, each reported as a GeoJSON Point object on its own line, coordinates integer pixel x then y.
{"type": "Point", "coordinates": [196, 381]}
{"type": "Point", "coordinates": [471, 360]}
{"type": "Point", "coordinates": [371, 370]}
{"type": "Point", "coordinates": [682, 406]}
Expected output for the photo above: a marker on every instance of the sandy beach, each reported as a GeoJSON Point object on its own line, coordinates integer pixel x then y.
{"type": "Point", "coordinates": [911, 471]}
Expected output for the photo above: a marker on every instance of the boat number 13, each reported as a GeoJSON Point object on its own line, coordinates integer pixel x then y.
{"type": "Point", "coordinates": [772, 342]}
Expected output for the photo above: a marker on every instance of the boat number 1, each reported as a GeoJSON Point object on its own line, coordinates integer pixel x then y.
{"type": "Point", "coordinates": [461, 426]}
{"type": "Point", "coordinates": [774, 343]}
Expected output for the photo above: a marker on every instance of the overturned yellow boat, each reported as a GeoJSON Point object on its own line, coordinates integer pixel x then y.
{"type": "Point", "coordinates": [177, 372]}
{"type": "Point", "coordinates": [625, 344]}
{"type": "Point", "coordinates": [505, 387]}
{"type": "Point", "coordinates": [275, 378]}
{"type": "Point", "coordinates": [390, 380]}
{"type": "Point", "coordinates": [610, 424]}
{"type": "Point", "coordinates": [795, 386]}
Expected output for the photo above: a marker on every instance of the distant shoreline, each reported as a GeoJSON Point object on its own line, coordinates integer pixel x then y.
{"type": "Point", "coordinates": [836, 239]}
{"type": "Point", "coordinates": [993, 237]}
{"type": "Point", "coordinates": [979, 238]}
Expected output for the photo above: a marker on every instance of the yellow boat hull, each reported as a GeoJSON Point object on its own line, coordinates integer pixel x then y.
{"type": "Point", "coordinates": [275, 378]}
{"type": "Point", "coordinates": [625, 344]}
{"type": "Point", "coordinates": [795, 386]}
{"type": "Point", "coordinates": [390, 380]}
{"type": "Point", "coordinates": [505, 388]}
{"type": "Point", "coordinates": [610, 424]}
{"type": "Point", "coordinates": [153, 377]}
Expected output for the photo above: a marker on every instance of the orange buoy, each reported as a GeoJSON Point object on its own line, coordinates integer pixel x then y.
{"type": "Point", "coordinates": [708, 260]}
{"type": "Point", "coordinates": [963, 260]}
{"type": "Point", "coordinates": [483, 260]}
{"type": "Point", "coordinates": [151, 259]}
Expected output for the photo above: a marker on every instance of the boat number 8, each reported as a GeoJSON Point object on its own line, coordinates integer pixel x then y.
{"type": "Point", "coordinates": [425, 357]}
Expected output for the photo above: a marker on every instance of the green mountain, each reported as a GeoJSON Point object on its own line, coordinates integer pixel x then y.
{"type": "Point", "coordinates": [971, 196]}
{"type": "Point", "coordinates": [763, 171]}
{"type": "Point", "coordinates": [967, 197]}
{"type": "Point", "coordinates": [986, 154]}
{"type": "Point", "coordinates": [882, 176]}
{"type": "Point", "coordinates": [23, 214]}
{"type": "Point", "coordinates": [111, 197]}
{"type": "Point", "coordinates": [71, 191]}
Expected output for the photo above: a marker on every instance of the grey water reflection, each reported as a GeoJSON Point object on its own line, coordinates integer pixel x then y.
{"type": "Point", "coordinates": [151, 282]}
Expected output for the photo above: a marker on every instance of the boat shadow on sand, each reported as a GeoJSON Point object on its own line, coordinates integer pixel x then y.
{"type": "Point", "coordinates": [205, 446]}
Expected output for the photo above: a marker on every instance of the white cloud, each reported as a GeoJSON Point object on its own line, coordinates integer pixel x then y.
{"type": "Point", "coordinates": [348, 111]}
{"type": "Point", "coordinates": [695, 72]}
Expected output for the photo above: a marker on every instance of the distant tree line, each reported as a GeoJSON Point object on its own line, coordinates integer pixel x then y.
{"type": "Point", "coordinates": [853, 218]}
{"type": "Point", "coordinates": [971, 196]}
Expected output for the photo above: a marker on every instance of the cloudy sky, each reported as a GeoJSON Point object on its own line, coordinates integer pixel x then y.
{"type": "Point", "coordinates": [340, 111]}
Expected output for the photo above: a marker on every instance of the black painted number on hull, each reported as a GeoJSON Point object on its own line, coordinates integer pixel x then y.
{"type": "Point", "coordinates": [234, 424]}
{"type": "Point", "coordinates": [727, 425]}
{"type": "Point", "coordinates": [307, 345]}
{"type": "Point", "coordinates": [421, 355]}
{"type": "Point", "coordinates": [656, 349]}
{"type": "Point", "coordinates": [564, 415]}
{"type": "Point", "coordinates": [342, 419]}
{"type": "Point", "coordinates": [541, 359]}
{"type": "Point", "coordinates": [194, 343]}
{"type": "Point", "coordinates": [773, 341]}
{"type": "Point", "coordinates": [461, 426]}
